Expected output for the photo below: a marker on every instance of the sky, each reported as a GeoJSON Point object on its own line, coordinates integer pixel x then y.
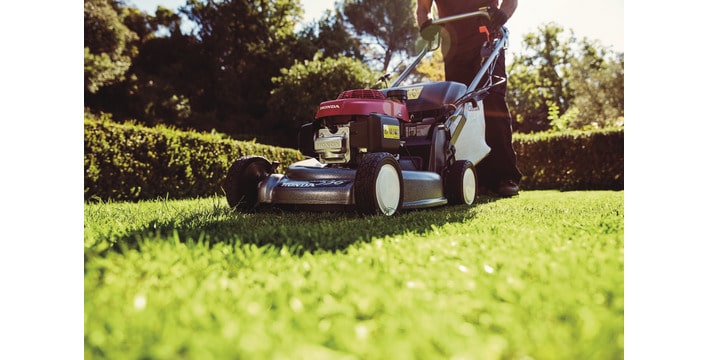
{"type": "Point", "coordinates": [601, 20]}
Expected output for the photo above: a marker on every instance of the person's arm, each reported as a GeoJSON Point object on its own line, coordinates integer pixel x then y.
{"type": "Point", "coordinates": [507, 6]}
{"type": "Point", "coordinates": [423, 11]}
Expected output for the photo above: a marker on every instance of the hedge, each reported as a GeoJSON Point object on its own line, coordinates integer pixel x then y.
{"type": "Point", "coordinates": [578, 160]}
{"type": "Point", "coordinates": [130, 162]}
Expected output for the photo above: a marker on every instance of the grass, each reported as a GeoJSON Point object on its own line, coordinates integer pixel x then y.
{"type": "Point", "coordinates": [540, 276]}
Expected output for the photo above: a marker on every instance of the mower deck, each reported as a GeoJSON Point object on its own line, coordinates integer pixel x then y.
{"type": "Point", "coordinates": [311, 184]}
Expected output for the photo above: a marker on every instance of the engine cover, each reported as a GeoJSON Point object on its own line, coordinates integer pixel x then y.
{"type": "Point", "coordinates": [363, 102]}
{"type": "Point", "coordinates": [357, 122]}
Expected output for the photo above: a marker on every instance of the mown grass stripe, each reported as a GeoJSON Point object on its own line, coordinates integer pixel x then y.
{"type": "Point", "coordinates": [539, 276]}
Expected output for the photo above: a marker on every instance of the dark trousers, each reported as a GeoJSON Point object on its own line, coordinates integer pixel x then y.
{"type": "Point", "coordinates": [500, 164]}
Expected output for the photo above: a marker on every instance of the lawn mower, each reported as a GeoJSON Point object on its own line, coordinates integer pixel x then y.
{"type": "Point", "coordinates": [381, 151]}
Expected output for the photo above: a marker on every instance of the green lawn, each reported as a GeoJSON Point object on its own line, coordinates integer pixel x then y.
{"type": "Point", "coordinates": [540, 276]}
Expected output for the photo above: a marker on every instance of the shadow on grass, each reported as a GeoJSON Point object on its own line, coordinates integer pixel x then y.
{"type": "Point", "coordinates": [298, 231]}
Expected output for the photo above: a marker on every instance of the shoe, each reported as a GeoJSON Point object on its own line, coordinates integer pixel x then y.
{"type": "Point", "coordinates": [508, 188]}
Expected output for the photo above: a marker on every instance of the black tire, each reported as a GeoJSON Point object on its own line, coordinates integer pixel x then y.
{"type": "Point", "coordinates": [461, 183]}
{"type": "Point", "coordinates": [378, 185]}
{"type": "Point", "coordinates": [241, 185]}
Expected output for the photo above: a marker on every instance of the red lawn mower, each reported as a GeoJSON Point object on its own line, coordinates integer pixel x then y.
{"type": "Point", "coordinates": [381, 151]}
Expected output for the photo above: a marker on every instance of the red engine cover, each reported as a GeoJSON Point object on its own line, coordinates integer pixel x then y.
{"type": "Point", "coordinates": [363, 102]}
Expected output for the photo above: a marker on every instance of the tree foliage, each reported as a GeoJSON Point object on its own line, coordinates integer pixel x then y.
{"type": "Point", "coordinates": [329, 36]}
{"type": "Point", "coordinates": [108, 44]}
{"type": "Point", "coordinates": [537, 76]}
{"type": "Point", "coordinates": [597, 83]}
{"type": "Point", "coordinates": [555, 73]}
{"type": "Point", "coordinates": [158, 87]}
{"type": "Point", "coordinates": [388, 25]}
{"type": "Point", "coordinates": [432, 67]}
{"type": "Point", "coordinates": [244, 43]}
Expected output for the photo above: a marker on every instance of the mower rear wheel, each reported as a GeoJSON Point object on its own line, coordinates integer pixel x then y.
{"type": "Point", "coordinates": [378, 185]}
{"type": "Point", "coordinates": [461, 183]}
{"type": "Point", "coordinates": [241, 185]}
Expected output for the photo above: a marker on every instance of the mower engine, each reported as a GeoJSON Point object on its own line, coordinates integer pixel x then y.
{"type": "Point", "coordinates": [357, 122]}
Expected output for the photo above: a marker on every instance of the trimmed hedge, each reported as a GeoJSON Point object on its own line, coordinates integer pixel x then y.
{"type": "Point", "coordinates": [133, 162]}
{"type": "Point", "coordinates": [578, 160]}
{"type": "Point", "coordinates": [130, 162]}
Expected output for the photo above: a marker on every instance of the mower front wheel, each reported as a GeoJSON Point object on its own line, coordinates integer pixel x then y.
{"type": "Point", "coordinates": [461, 183]}
{"type": "Point", "coordinates": [241, 185]}
{"type": "Point", "coordinates": [378, 185]}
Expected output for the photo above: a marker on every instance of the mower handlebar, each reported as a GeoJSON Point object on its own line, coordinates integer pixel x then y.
{"type": "Point", "coordinates": [460, 17]}
{"type": "Point", "coordinates": [429, 47]}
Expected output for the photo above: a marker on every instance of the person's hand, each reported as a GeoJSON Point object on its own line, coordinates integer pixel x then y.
{"type": "Point", "coordinates": [497, 18]}
{"type": "Point", "coordinates": [428, 30]}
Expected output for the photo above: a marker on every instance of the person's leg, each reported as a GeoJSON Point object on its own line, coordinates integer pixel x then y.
{"type": "Point", "coordinates": [500, 164]}
{"type": "Point", "coordinates": [460, 70]}
{"type": "Point", "coordinates": [498, 170]}
{"type": "Point", "coordinates": [462, 58]}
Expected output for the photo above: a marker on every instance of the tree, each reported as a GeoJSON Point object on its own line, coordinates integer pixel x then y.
{"type": "Point", "coordinates": [538, 75]}
{"type": "Point", "coordinates": [330, 37]}
{"type": "Point", "coordinates": [432, 67]}
{"type": "Point", "coordinates": [556, 73]}
{"type": "Point", "coordinates": [244, 43]}
{"type": "Point", "coordinates": [108, 44]}
{"type": "Point", "coordinates": [597, 82]}
{"type": "Point", "coordinates": [158, 86]}
{"type": "Point", "coordinates": [389, 25]}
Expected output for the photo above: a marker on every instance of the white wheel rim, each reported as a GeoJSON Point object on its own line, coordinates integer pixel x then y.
{"type": "Point", "coordinates": [468, 186]}
{"type": "Point", "coordinates": [388, 189]}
